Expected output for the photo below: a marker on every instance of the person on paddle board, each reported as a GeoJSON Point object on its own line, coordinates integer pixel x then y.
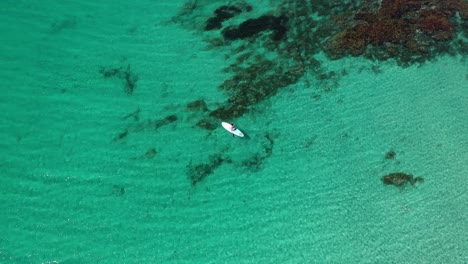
{"type": "Point", "coordinates": [233, 128]}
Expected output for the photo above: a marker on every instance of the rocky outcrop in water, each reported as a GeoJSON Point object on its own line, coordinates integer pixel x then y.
{"type": "Point", "coordinates": [400, 179]}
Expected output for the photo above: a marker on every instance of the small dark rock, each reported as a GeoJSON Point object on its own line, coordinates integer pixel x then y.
{"type": "Point", "coordinates": [400, 179]}
{"type": "Point", "coordinates": [390, 154]}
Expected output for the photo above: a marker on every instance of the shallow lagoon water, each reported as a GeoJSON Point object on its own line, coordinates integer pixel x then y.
{"type": "Point", "coordinates": [93, 173]}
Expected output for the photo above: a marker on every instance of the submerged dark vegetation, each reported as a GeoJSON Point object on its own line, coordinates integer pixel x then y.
{"type": "Point", "coordinates": [408, 31]}
{"type": "Point", "coordinates": [272, 50]}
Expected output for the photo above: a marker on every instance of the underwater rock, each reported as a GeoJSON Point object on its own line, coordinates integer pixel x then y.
{"type": "Point", "coordinates": [390, 154]}
{"type": "Point", "coordinates": [222, 14]}
{"type": "Point", "coordinates": [400, 179]}
{"type": "Point", "coordinates": [252, 27]}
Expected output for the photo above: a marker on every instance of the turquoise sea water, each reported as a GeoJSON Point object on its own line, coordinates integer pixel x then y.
{"type": "Point", "coordinates": [91, 172]}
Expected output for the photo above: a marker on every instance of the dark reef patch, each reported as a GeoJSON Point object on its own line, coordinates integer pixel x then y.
{"type": "Point", "coordinates": [275, 49]}
{"type": "Point", "coordinates": [123, 73]}
{"type": "Point", "coordinates": [252, 85]}
{"type": "Point", "coordinates": [408, 31]}
{"type": "Point", "coordinates": [272, 51]}
{"type": "Point", "coordinates": [400, 179]}
{"type": "Point", "coordinates": [205, 122]}
{"type": "Point", "coordinates": [390, 154]}
{"type": "Point", "coordinates": [224, 13]}
{"type": "Point", "coordinates": [254, 26]}
{"type": "Point", "coordinates": [198, 172]}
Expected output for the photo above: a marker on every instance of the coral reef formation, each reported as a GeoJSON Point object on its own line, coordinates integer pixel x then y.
{"type": "Point", "coordinates": [271, 50]}
{"type": "Point", "coordinates": [278, 48]}
{"type": "Point", "coordinates": [406, 30]}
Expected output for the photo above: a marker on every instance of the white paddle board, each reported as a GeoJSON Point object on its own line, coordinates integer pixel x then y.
{"type": "Point", "coordinates": [228, 127]}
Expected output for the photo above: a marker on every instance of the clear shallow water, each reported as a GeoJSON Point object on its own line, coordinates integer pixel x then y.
{"type": "Point", "coordinates": [73, 192]}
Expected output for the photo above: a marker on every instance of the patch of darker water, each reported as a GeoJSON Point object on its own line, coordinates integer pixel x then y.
{"type": "Point", "coordinates": [66, 23]}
